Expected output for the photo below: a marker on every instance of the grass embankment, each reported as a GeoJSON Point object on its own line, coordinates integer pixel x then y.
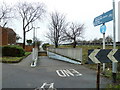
{"type": "Point", "coordinates": [13, 59]}
{"type": "Point", "coordinates": [108, 71]}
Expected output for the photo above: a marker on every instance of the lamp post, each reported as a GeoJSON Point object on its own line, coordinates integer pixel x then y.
{"type": "Point", "coordinates": [34, 44]}
{"type": "Point", "coordinates": [114, 64]}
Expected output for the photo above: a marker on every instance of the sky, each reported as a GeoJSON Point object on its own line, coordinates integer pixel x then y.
{"type": "Point", "coordinates": [80, 11]}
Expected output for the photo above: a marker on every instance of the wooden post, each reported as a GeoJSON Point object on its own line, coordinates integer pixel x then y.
{"type": "Point", "coordinates": [98, 77]}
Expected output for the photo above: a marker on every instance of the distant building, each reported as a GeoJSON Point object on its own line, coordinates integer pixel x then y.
{"type": "Point", "coordinates": [7, 36]}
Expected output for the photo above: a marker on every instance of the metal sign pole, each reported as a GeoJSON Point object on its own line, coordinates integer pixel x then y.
{"type": "Point", "coordinates": [103, 30]}
{"type": "Point", "coordinates": [98, 77]}
{"type": "Point", "coordinates": [103, 48]}
{"type": "Point", "coordinates": [114, 65]}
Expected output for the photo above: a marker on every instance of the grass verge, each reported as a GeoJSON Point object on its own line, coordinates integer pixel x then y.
{"type": "Point", "coordinates": [13, 59]}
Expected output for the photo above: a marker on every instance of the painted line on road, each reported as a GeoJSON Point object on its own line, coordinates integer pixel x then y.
{"type": "Point", "coordinates": [68, 73]}
{"type": "Point", "coordinates": [46, 86]}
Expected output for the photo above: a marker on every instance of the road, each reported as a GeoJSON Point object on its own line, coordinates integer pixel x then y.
{"type": "Point", "coordinates": [53, 73]}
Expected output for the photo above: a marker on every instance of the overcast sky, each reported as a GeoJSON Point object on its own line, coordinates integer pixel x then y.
{"type": "Point", "coordinates": [80, 11]}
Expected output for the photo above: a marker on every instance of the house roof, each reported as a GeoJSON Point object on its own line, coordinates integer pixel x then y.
{"type": "Point", "coordinates": [9, 30]}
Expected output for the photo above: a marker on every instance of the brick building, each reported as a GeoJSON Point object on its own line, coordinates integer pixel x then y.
{"type": "Point", "coordinates": [7, 36]}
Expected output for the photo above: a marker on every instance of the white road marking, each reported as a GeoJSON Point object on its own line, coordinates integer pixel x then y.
{"type": "Point", "coordinates": [51, 85]}
{"type": "Point", "coordinates": [68, 73]}
{"type": "Point", "coordinates": [75, 72]}
{"type": "Point", "coordinates": [60, 73]}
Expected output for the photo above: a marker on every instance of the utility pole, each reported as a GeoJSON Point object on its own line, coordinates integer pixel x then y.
{"type": "Point", "coordinates": [33, 43]}
{"type": "Point", "coordinates": [114, 64]}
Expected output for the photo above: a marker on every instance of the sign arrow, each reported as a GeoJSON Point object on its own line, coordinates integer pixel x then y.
{"type": "Point", "coordinates": [111, 55]}
{"type": "Point", "coordinates": [92, 56]}
{"type": "Point", "coordinates": [103, 55]}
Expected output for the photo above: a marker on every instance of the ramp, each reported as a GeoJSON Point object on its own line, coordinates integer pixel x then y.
{"type": "Point", "coordinates": [42, 53]}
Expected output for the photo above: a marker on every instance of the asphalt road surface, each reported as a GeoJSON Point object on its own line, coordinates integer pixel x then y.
{"type": "Point", "coordinates": [49, 73]}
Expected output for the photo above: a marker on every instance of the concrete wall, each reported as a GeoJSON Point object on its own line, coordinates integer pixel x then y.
{"type": "Point", "coordinates": [74, 53]}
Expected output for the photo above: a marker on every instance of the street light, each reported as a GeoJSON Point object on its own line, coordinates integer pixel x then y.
{"type": "Point", "coordinates": [34, 44]}
{"type": "Point", "coordinates": [114, 65]}
{"type": "Point", "coordinates": [34, 36]}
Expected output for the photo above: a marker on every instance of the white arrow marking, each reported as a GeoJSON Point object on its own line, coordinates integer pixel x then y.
{"type": "Point", "coordinates": [110, 55]}
{"type": "Point", "coordinates": [93, 54]}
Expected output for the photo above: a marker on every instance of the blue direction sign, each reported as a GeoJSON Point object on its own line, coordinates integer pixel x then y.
{"type": "Point", "coordinates": [105, 17]}
{"type": "Point", "coordinates": [103, 29]}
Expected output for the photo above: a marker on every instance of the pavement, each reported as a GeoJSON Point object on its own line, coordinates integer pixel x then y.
{"type": "Point", "coordinates": [49, 73]}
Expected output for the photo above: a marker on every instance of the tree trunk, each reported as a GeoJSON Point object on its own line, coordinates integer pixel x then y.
{"type": "Point", "coordinates": [74, 44]}
{"type": "Point", "coordinates": [24, 36]}
{"type": "Point", "coordinates": [56, 45]}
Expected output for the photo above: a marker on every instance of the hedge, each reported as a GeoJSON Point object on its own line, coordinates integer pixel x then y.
{"type": "Point", "coordinates": [13, 51]}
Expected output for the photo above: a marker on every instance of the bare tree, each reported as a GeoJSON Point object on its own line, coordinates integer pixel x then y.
{"type": "Point", "coordinates": [5, 14]}
{"type": "Point", "coordinates": [109, 39]}
{"type": "Point", "coordinates": [56, 27]}
{"type": "Point", "coordinates": [30, 13]}
{"type": "Point", "coordinates": [74, 32]}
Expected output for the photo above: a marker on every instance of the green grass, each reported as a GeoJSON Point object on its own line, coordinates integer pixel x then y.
{"type": "Point", "coordinates": [113, 86]}
{"type": "Point", "coordinates": [10, 58]}
{"type": "Point", "coordinates": [13, 59]}
{"type": "Point", "coordinates": [27, 53]}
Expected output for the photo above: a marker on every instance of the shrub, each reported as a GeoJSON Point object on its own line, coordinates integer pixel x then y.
{"type": "Point", "coordinates": [13, 50]}
{"type": "Point", "coordinates": [44, 46]}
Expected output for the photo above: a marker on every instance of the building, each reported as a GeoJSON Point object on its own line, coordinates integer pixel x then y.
{"type": "Point", "coordinates": [7, 36]}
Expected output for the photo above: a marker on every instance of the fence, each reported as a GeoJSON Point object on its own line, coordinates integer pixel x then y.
{"type": "Point", "coordinates": [73, 53]}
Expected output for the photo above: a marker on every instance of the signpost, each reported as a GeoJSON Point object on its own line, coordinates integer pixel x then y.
{"type": "Point", "coordinates": [103, 56]}
{"type": "Point", "coordinates": [105, 17]}
{"type": "Point", "coordinates": [103, 30]}
{"type": "Point", "coordinates": [102, 19]}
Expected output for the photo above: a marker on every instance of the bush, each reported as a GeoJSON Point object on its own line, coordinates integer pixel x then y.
{"type": "Point", "coordinates": [13, 50]}
{"type": "Point", "coordinates": [44, 46]}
